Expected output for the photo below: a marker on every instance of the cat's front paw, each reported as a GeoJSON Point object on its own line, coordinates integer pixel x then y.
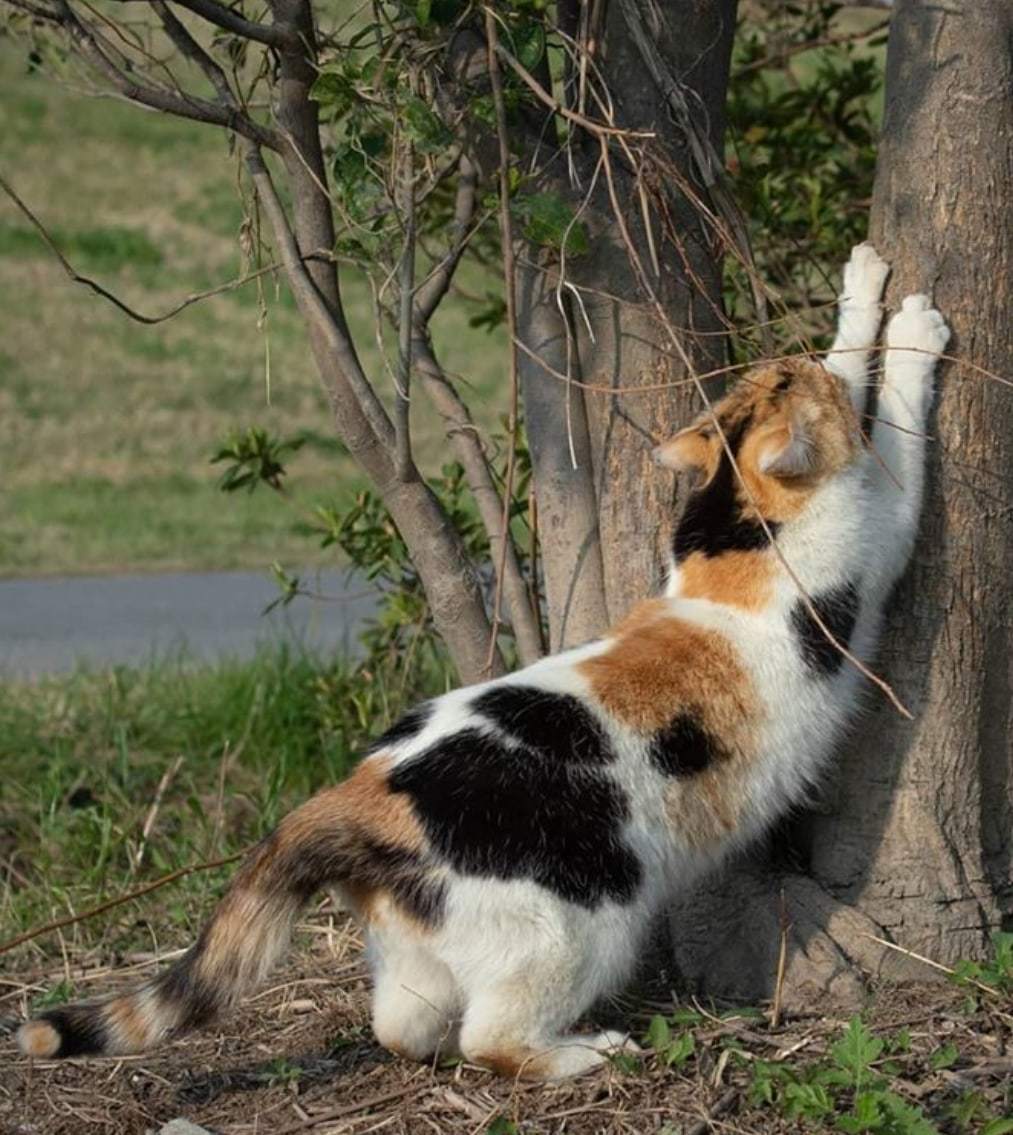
{"type": "Point", "coordinates": [864, 277]}
{"type": "Point", "coordinates": [916, 334]}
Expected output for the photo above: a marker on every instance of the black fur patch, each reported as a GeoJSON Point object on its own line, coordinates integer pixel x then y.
{"type": "Point", "coordinates": [182, 985]}
{"type": "Point", "coordinates": [492, 810]}
{"type": "Point", "coordinates": [838, 608]}
{"type": "Point", "coordinates": [684, 748]}
{"type": "Point", "coordinates": [81, 1028]}
{"type": "Point", "coordinates": [407, 726]}
{"type": "Point", "coordinates": [713, 522]}
{"type": "Point", "coordinates": [555, 726]}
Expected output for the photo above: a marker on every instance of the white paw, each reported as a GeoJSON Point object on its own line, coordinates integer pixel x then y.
{"type": "Point", "coordinates": [916, 333]}
{"type": "Point", "coordinates": [612, 1041]}
{"type": "Point", "coordinates": [864, 276]}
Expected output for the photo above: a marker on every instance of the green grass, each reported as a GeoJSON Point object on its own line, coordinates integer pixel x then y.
{"type": "Point", "coordinates": [82, 757]}
{"type": "Point", "coordinates": [107, 426]}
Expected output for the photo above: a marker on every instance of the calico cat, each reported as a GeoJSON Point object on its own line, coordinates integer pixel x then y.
{"type": "Point", "coordinates": [506, 846]}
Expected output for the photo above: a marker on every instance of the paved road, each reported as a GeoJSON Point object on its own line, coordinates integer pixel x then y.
{"type": "Point", "coordinates": [50, 625]}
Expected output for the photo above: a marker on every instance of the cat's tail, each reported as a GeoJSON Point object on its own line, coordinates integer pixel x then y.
{"type": "Point", "coordinates": [328, 840]}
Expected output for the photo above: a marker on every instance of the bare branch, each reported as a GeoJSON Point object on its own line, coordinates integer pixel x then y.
{"type": "Point", "coordinates": [38, 10]}
{"type": "Point", "coordinates": [432, 291]}
{"type": "Point", "coordinates": [277, 35]}
{"type": "Point", "coordinates": [464, 437]}
{"type": "Point", "coordinates": [406, 284]}
{"type": "Point", "coordinates": [96, 287]}
{"type": "Point", "coordinates": [60, 923]}
{"type": "Point", "coordinates": [194, 52]}
{"type": "Point", "coordinates": [509, 278]}
{"type": "Point", "coordinates": [158, 98]}
{"type": "Point", "coordinates": [311, 303]}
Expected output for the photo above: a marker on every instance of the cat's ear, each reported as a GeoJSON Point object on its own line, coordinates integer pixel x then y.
{"type": "Point", "coordinates": [689, 451]}
{"type": "Point", "coordinates": [787, 450]}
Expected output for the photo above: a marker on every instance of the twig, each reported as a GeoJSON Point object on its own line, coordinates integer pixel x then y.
{"type": "Point", "coordinates": [348, 1109]}
{"type": "Point", "coordinates": [812, 45]}
{"type": "Point", "coordinates": [277, 35]}
{"type": "Point", "coordinates": [88, 282]}
{"type": "Point", "coordinates": [782, 959]}
{"type": "Point", "coordinates": [164, 881]}
{"type": "Point", "coordinates": [509, 276]}
{"type": "Point", "coordinates": [406, 284]}
{"type": "Point", "coordinates": [156, 803]}
{"type": "Point", "coordinates": [597, 128]}
{"type": "Point", "coordinates": [720, 1106]}
{"type": "Point", "coordinates": [933, 964]}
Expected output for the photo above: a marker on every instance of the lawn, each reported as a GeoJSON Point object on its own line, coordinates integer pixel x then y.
{"type": "Point", "coordinates": [106, 425]}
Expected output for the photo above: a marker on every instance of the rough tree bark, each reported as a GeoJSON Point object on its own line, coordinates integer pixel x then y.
{"type": "Point", "coordinates": [914, 842]}
{"type": "Point", "coordinates": [604, 505]}
{"type": "Point", "coordinates": [921, 836]}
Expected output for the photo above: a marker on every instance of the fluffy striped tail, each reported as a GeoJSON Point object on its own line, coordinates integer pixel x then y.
{"type": "Point", "coordinates": [248, 932]}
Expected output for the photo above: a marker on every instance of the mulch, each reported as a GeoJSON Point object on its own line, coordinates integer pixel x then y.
{"type": "Point", "coordinates": [299, 1057]}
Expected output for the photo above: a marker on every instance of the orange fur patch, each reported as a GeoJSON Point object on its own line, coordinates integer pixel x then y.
{"type": "Point", "coordinates": [739, 579]}
{"type": "Point", "coordinates": [38, 1039]}
{"type": "Point", "coordinates": [659, 666]}
{"type": "Point", "coordinates": [363, 801]}
{"type": "Point", "coordinates": [521, 1064]}
{"type": "Point", "coordinates": [815, 403]}
{"type": "Point", "coordinates": [127, 1017]}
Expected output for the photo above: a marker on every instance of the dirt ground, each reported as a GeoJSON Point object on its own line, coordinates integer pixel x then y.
{"type": "Point", "coordinates": [299, 1057]}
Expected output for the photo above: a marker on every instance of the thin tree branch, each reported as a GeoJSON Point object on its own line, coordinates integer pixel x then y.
{"type": "Point", "coordinates": [543, 96]}
{"type": "Point", "coordinates": [194, 52]}
{"type": "Point", "coordinates": [38, 10]}
{"type": "Point", "coordinates": [507, 242]}
{"type": "Point", "coordinates": [431, 292]}
{"type": "Point", "coordinates": [165, 880]}
{"type": "Point", "coordinates": [406, 284]}
{"type": "Point", "coordinates": [311, 303]}
{"type": "Point", "coordinates": [811, 45]}
{"type": "Point", "coordinates": [276, 35]}
{"type": "Point", "coordinates": [464, 437]}
{"type": "Point", "coordinates": [181, 104]}
{"type": "Point", "coordinates": [88, 282]}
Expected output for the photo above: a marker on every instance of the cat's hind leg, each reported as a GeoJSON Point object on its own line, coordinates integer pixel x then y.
{"type": "Point", "coordinates": [416, 1001]}
{"type": "Point", "coordinates": [517, 1020]}
{"type": "Point", "coordinates": [860, 313]}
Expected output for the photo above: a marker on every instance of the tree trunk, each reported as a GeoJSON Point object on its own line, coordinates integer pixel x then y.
{"type": "Point", "coordinates": [914, 844]}
{"type": "Point", "coordinates": [922, 833]}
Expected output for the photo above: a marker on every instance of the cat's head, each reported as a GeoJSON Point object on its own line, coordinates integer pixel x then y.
{"type": "Point", "coordinates": [790, 427]}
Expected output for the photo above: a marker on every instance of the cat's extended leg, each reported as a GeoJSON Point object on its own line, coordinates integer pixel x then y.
{"type": "Point", "coordinates": [860, 314]}
{"type": "Point", "coordinates": [416, 1001]}
{"type": "Point", "coordinates": [915, 337]}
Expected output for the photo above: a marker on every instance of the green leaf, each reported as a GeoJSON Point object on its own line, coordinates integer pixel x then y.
{"type": "Point", "coordinates": [529, 45]}
{"type": "Point", "coordinates": [944, 1057]}
{"type": "Point", "coordinates": [334, 91]}
{"type": "Point", "coordinates": [807, 1101]}
{"type": "Point", "coordinates": [626, 1062]}
{"type": "Point", "coordinates": [424, 126]}
{"type": "Point", "coordinates": [866, 1114]}
{"type": "Point", "coordinates": [502, 1126]}
{"type": "Point", "coordinates": [680, 1050]}
{"type": "Point", "coordinates": [1001, 1126]}
{"type": "Point", "coordinates": [659, 1034]}
{"type": "Point", "coordinates": [549, 221]}
{"type": "Point", "coordinates": [856, 1050]}
{"type": "Point", "coordinates": [423, 10]}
